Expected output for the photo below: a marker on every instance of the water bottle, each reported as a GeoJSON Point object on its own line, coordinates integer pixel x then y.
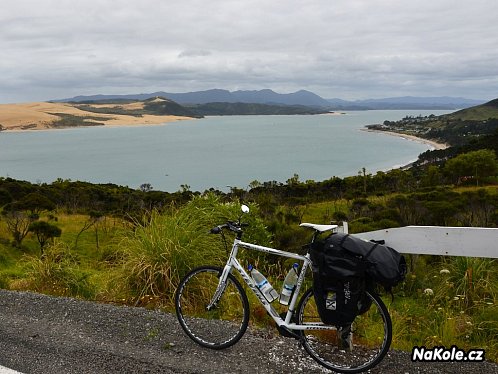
{"type": "Point", "coordinates": [289, 285]}
{"type": "Point", "coordinates": [262, 283]}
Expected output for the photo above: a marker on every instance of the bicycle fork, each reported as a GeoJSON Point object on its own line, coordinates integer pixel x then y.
{"type": "Point", "coordinates": [222, 285]}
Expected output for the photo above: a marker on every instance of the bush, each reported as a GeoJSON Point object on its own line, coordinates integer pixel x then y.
{"type": "Point", "coordinates": [159, 253]}
{"type": "Point", "coordinates": [57, 272]}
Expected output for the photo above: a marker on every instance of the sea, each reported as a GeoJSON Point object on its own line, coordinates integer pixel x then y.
{"type": "Point", "coordinates": [219, 152]}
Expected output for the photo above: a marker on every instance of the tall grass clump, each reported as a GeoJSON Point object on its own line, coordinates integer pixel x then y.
{"type": "Point", "coordinates": [457, 305]}
{"type": "Point", "coordinates": [58, 272]}
{"type": "Point", "coordinates": [158, 253]}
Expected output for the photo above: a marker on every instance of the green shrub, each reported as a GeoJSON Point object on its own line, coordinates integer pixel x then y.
{"type": "Point", "coordinates": [4, 281]}
{"type": "Point", "coordinates": [160, 252]}
{"type": "Point", "coordinates": [57, 272]}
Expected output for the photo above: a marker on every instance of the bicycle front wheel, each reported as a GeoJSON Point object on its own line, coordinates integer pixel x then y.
{"type": "Point", "coordinates": [351, 349]}
{"type": "Point", "coordinates": [225, 323]}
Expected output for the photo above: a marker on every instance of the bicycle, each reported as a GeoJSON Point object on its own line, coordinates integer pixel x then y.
{"type": "Point", "coordinates": [213, 310]}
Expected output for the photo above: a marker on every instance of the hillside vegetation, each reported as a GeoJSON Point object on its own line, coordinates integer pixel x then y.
{"type": "Point", "coordinates": [227, 109]}
{"type": "Point", "coordinates": [154, 106]}
{"type": "Point", "coordinates": [457, 129]}
{"type": "Point", "coordinates": [477, 113]}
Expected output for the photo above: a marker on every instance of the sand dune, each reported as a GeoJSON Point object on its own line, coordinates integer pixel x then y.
{"type": "Point", "coordinates": [42, 115]}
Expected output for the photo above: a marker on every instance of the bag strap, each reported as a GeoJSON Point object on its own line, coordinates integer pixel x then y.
{"type": "Point", "coordinates": [371, 250]}
{"type": "Point", "coordinates": [343, 240]}
{"type": "Point", "coordinates": [362, 257]}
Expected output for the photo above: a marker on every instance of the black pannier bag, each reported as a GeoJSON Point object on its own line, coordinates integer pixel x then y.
{"type": "Point", "coordinates": [338, 284]}
{"type": "Point", "coordinates": [384, 265]}
{"type": "Point", "coordinates": [342, 264]}
{"type": "Point", "coordinates": [339, 301]}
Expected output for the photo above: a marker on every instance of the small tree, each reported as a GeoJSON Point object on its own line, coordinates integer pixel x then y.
{"type": "Point", "coordinates": [18, 224]}
{"type": "Point", "coordinates": [20, 214]}
{"type": "Point", "coordinates": [34, 203]}
{"type": "Point", "coordinates": [93, 218]}
{"type": "Point", "coordinates": [44, 231]}
{"type": "Point", "coordinates": [146, 187]}
{"type": "Point", "coordinates": [476, 164]}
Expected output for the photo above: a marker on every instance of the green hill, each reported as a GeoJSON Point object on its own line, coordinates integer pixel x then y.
{"type": "Point", "coordinates": [477, 113]}
{"type": "Point", "coordinates": [158, 106]}
{"type": "Point", "coordinates": [163, 106]}
{"type": "Point", "coordinates": [456, 129]}
{"type": "Point", "coordinates": [228, 109]}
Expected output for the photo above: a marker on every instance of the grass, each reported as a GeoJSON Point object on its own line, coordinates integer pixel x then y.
{"type": "Point", "coordinates": [478, 113]}
{"type": "Point", "coordinates": [142, 264]}
{"type": "Point", "coordinates": [441, 304]}
{"type": "Point", "coordinates": [323, 212]}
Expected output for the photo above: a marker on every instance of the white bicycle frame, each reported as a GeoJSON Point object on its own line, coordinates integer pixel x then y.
{"type": "Point", "coordinates": [233, 263]}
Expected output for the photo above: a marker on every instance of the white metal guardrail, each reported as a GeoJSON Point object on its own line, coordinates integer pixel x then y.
{"type": "Point", "coordinates": [438, 240]}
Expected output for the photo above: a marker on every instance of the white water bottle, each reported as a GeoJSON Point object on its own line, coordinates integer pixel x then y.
{"type": "Point", "coordinates": [289, 285]}
{"type": "Point", "coordinates": [262, 283]}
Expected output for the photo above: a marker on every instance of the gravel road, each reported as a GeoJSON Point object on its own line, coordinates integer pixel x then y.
{"type": "Point", "coordinates": [42, 334]}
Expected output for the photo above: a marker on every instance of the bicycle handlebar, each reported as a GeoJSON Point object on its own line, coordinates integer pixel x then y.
{"type": "Point", "coordinates": [232, 226]}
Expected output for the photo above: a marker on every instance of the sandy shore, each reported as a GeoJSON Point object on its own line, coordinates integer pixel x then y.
{"type": "Point", "coordinates": [431, 143]}
{"type": "Point", "coordinates": [42, 115]}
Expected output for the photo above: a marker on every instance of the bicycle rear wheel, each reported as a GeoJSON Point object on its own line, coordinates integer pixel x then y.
{"type": "Point", "coordinates": [353, 349]}
{"type": "Point", "coordinates": [226, 322]}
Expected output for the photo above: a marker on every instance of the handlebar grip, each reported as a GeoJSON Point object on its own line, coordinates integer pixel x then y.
{"type": "Point", "coordinates": [215, 230]}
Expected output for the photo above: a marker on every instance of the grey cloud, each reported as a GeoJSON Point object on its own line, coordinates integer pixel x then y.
{"type": "Point", "coordinates": [193, 53]}
{"type": "Point", "coordinates": [342, 49]}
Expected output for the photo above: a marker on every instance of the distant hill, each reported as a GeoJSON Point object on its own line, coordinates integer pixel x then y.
{"type": "Point", "coordinates": [478, 113]}
{"type": "Point", "coordinates": [158, 106]}
{"type": "Point", "coordinates": [217, 96]}
{"type": "Point", "coordinates": [301, 97]}
{"type": "Point", "coordinates": [227, 109]}
{"type": "Point", "coordinates": [162, 106]}
{"type": "Point", "coordinates": [266, 96]}
{"type": "Point", "coordinates": [407, 102]}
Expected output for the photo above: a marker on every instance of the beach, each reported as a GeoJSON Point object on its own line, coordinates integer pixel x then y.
{"type": "Point", "coordinates": [433, 144]}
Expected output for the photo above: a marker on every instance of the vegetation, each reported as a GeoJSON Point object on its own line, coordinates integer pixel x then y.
{"type": "Point", "coordinates": [69, 120]}
{"type": "Point", "coordinates": [155, 106]}
{"type": "Point", "coordinates": [227, 109]}
{"type": "Point", "coordinates": [163, 106]}
{"type": "Point", "coordinates": [456, 129]}
{"type": "Point", "coordinates": [112, 243]}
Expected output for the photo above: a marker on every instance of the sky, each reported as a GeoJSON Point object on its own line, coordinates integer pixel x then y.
{"type": "Point", "coordinates": [348, 49]}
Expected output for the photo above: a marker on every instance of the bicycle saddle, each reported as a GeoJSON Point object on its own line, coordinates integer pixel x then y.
{"type": "Point", "coordinates": [320, 228]}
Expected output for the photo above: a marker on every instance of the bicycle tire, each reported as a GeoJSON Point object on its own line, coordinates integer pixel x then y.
{"type": "Point", "coordinates": [221, 326]}
{"type": "Point", "coordinates": [371, 337]}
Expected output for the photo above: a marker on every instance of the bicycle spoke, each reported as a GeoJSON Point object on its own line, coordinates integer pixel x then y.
{"type": "Point", "coordinates": [350, 349]}
{"type": "Point", "coordinates": [225, 322]}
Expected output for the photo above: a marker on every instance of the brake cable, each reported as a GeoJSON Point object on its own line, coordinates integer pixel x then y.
{"type": "Point", "coordinates": [224, 241]}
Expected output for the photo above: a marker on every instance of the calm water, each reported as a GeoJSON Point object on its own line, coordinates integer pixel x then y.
{"type": "Point", "coordinates": [212, 152]}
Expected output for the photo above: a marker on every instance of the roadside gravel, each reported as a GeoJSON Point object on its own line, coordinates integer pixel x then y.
{"type": "Point", "coordinates": [43, 334]}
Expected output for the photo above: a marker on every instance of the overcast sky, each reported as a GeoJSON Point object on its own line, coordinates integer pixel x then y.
{"type": "Point", "coordinates": [347, 49]}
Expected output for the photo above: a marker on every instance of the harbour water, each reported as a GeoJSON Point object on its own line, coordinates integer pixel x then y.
{"type": "Point", "coordinates": [212, 152]}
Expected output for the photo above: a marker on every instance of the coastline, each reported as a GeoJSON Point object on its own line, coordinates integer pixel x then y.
{"type": "Point", "coordinates": [112, 123]}
{"type": "Point", "coordinates": [433, 144]}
